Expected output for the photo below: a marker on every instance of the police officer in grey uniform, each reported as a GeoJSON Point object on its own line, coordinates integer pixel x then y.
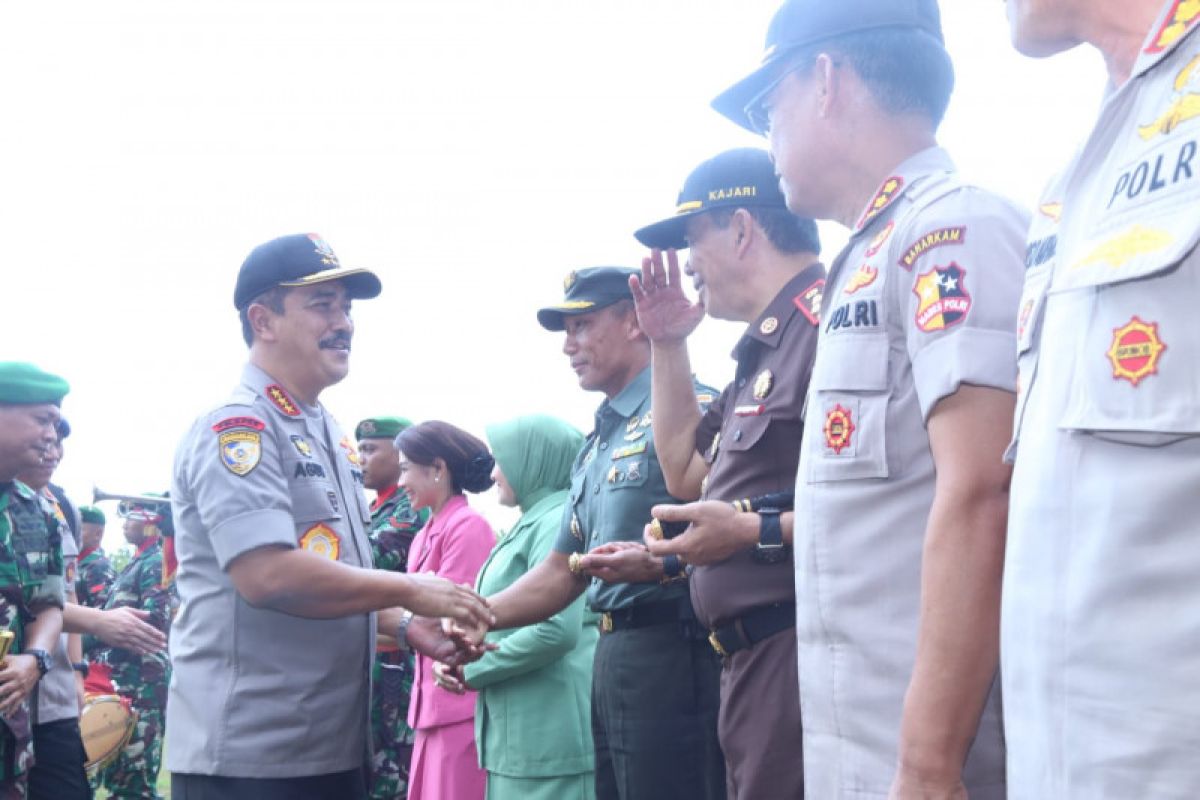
{"type": "Point", "coordinates": [273, 643]}
{"type": "Point", "coordinates": [655, 681]}
{"type": "Point", "coordinates": [901, 492]}
{"type": "Point", "coordinates": [1100, 653]}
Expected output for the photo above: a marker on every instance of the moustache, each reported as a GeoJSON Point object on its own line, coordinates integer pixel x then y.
{"type": "Point", "coordinates": [338, 341]}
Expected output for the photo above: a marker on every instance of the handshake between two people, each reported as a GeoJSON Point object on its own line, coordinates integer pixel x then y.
{"type": "Point", "coordinates": [448, 622]}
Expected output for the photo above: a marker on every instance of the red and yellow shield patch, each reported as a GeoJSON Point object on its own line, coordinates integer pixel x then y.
{"type": "Point", "coordinates": [1135, 350]}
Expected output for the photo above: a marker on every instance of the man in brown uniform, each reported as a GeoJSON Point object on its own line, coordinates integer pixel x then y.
{"type": "Point", "coordinates": [754, 262]}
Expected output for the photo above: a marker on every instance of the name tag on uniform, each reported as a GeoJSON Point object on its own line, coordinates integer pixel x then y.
{"type": "Point", "coordinates": [749, 411]}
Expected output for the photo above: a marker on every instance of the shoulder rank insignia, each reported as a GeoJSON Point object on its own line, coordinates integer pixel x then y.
{"type": "Point", "coordinates": [276, 394]}
{"type": "Point", "coordinates": [1182, 16]}
{"type": "Point", "coordinates": [768, 326]}
{"type": "Point", "coordinates": [1135, 350]}
{"type": "Point", "coordinates": [763, 384]}
{"type": "Point", "coordinates": [630, 450]}
{"type": "Point", "coordinates": [887, 193]}
{"type": "Point", "coordinates": [241, 450]}
{"type": "Point", "coordinates": [322, 540]}
{"type": "Point", "coordinates": [809, 301]}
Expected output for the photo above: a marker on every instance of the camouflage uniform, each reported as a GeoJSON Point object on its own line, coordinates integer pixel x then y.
{"type": "Point", "coordinates": [393, 526]}
{"type": "Point", "coordinates": [94, 579]}
{"type": "Point", "coordinates": [140, 680]}
{"type": "Point", "coordinates": [31, 574]}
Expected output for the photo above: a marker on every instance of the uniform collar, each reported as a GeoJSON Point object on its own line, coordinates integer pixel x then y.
{"type": "Point", "coordinates": [23, 490]}
{"type": "Point", "coordinates": [382, 498]}
{"type": "Point", "coordinates": [277, 397]}
{"type": "Point", "coordinates": [899, 183]}
{"type": "Point", "coordinates": [1174, 24]}
{"type": "Point", "coordinates": [633, 396]}
{"type": "Point", "coordinates": [147, 545]}
{"type": "Point", "coordinates": [88, 551]}
{"type": "Point", "coordinates": [795, 299]}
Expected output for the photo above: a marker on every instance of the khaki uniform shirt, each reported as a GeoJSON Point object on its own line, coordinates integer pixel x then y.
{"type": "Point", "coordinates": [615, 482]}
{"type": "Point", "coordinates": [922, 300]}
{"type": "Point", "coordinates": [1100, 644]}
{"type": "Point", "coordinates": [55, 692]}
{"type": "Point", "coordinates": [750, 438]}
{"type": "Point", "coordinates": [255, 692]}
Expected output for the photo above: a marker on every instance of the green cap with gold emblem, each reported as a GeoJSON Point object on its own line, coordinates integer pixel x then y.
{"type": "Point", "coordinates": [585, 291]}
{"type": "Point", "coordinates": [380, 428]}
{"type": "Point", "coordinates": [24, 384]}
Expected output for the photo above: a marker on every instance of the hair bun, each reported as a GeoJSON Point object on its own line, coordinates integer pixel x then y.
{"type": "Point", "coordinates": [477, 475]}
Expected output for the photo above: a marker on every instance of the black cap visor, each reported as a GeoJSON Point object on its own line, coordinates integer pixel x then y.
{"type": "Point", "coordinates": [668, 234]}
{"type": "Point", "coordinates": [360, 284]}
{"type": "Point", "coordinates": [553, 318]}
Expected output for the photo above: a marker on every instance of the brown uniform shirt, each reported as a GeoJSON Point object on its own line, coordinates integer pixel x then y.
{"type": "Point", "coordinates": [750, 438]}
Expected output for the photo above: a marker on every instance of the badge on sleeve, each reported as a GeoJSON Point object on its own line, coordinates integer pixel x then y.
{"type": "Point", "coordinates": [1135, 350]}
{"type": "Point", "coordinates": [322, 540]}
{"type": "Point", "coordinates": [240, 448]}
{"type": "Point", "coordinates": [943, 296]}
{"type": "Point", "coordinates": [939, 238]}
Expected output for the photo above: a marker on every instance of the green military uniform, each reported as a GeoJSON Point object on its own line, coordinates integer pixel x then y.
{"type": "Point", "coordinates": [31, 567]}
{"type": "Point", "coordinates": [393, 526]}
{"type": "Point", "coordinates": [94, 574]}
{"type": "Point", "coordinates": [140, 680]}
{"type": "Point", "coordinates": [655, 681]}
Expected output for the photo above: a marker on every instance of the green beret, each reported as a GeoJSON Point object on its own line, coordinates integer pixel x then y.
{"type": "Point", "coordinates": [380, 428]}
{"type": "Point", "coordinates": [91, 514]}
{"type": "Point", "coordinates": [25, 384]}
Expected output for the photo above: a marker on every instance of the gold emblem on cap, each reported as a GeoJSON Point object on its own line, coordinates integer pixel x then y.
{"type": "Point", "coordinates": [570, 280]}
{"type": "Point", "coordinates": [763, 384]}
{"type": "Point", "coordinates": [768, 326]}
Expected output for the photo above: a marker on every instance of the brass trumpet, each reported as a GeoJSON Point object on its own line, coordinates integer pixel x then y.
{"type": "Point", "coordinates": [158, 506]}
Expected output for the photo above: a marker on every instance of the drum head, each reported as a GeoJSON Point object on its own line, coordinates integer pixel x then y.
{"type": "Point", "coordinates": [106, 725]}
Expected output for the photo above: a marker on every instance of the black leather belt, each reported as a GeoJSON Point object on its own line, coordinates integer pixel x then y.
{"type": "Point", "coordinates": [640, 616]}
{"type": "Point", "coordinates": [752, 627]}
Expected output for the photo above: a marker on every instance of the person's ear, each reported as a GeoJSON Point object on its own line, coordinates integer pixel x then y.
{"type": "Point", "coordinates": [261, 321]}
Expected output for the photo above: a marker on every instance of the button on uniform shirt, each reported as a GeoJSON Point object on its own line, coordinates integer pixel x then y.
{"type": "Point", "coordinates": [750, 438]}
{"type": "Point", "coordinates": [615, 482]}
{"type": "Point", "coordinates": [922, 300]}
{"type": "Point", "coordinates": [1100, 647]}
{"type": "Point", "coordinates": [255, 692]}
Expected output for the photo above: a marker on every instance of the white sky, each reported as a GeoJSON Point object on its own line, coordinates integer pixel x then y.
{"type": "Point", "coordinates": [471, 152]}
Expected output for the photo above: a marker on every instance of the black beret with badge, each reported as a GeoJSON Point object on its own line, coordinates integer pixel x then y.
{"type": "Point", "coordinates": [585, 291]}
{"type": "Point", "coordinates": [301, 259]}
{"type": "Point", "coordinates": [802, 23]}
{"type": "Point", "coordinates": [738, 178]}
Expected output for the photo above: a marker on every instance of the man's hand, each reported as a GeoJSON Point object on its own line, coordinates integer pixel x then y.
{"type": "Point", "coordinates": [128, 628]}
{"type": "Point", "coordinates": [907, 786]}
{"type": "Point", "coordinates": [717, 531]}
{"type": "Point", "coordinates": [664, 312]}
{"type": "Point", "coordinates": [18, 675]}
{"type": "Point", "coordinates": [450, 678]}
{"type": "Point", "coordinates": [444, 643]}
{"type": "Point", "coordinates": [438, 597]}
{"type": "Point", "coordinates": [622, 562]}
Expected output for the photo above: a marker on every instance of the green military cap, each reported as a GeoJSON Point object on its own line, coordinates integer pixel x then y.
{"type": "Point", "coordinates": [91, 514]}
{"type": "Point", "coordinates": [25, 384]}
{"type": "Point", "coordinates": [585, 291]}
{"type": "Point", "coordinates": [380, 428]}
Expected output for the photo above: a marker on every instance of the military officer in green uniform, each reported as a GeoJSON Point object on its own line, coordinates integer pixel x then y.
{"type": "Point", "coordinates": [95, 574]}
{"type": "Point", "coordinates": [655, 681]}
{"type": "Point", "coordinates": [31, 561]}
{"type": "Point", "coordinates": [393, 526]}
{"type": "Point", "coordinates": [140, 679]}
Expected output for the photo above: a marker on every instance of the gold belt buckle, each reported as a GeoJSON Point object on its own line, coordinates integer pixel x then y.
{"type": "Point", "coordinates": [716, 645]}
{"type": "Point", "coordinates": [606, 625]}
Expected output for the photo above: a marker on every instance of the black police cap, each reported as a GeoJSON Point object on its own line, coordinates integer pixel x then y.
{"type": "Point", "coordinates": [799, 23]}
{"type": "Point", "coordinates": [735, 178]}
{"type": "Point", "coordinates": [585, 291]}
{"type": "Point", "coordinates": [301, 259]}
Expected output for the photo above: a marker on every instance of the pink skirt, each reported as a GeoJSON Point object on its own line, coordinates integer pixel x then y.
{"type": "Point", "coordinates": [445, 765]}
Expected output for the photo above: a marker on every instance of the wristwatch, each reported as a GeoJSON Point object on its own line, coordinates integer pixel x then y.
{"type": "Point", "coordinates": [43, 660]}
{"type": "Point", "coordinates": [81, 667]}
{"type": "Point", "coordinates": [770, 549]}
{"type": "Point", "coordinates": [402, 632]}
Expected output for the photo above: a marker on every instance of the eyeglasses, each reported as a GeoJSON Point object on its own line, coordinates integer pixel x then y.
{"type": "Point", "coordinates": [758, 112]}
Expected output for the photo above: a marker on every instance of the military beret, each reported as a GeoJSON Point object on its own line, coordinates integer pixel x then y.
{"type": "Point", "coordinates": [301, 259]}
{"type": "Point", "coordinates": [25, 384]}
{"type": "Point", "coordinates": [91, 514]}
{"type": "Point", "coordinates": [380, 428]}
{"type": "Point", "coordinates": [585, 291]}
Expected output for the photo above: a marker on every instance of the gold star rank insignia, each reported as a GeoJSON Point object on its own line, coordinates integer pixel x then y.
{"type": "Point", "coordinates": [763, 384]}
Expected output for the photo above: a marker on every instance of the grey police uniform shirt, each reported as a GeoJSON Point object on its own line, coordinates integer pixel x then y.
{"type": "Point", "coordinates": [615, 481]}
{"type": "Point", "coordinates": [56, 698]}
{"type": "Point", "coordinates": [922, 300]}
{"type": "Point", "coordinates": [1100, 643]}
{"type": "Point", "coordinates": [259, 693]}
